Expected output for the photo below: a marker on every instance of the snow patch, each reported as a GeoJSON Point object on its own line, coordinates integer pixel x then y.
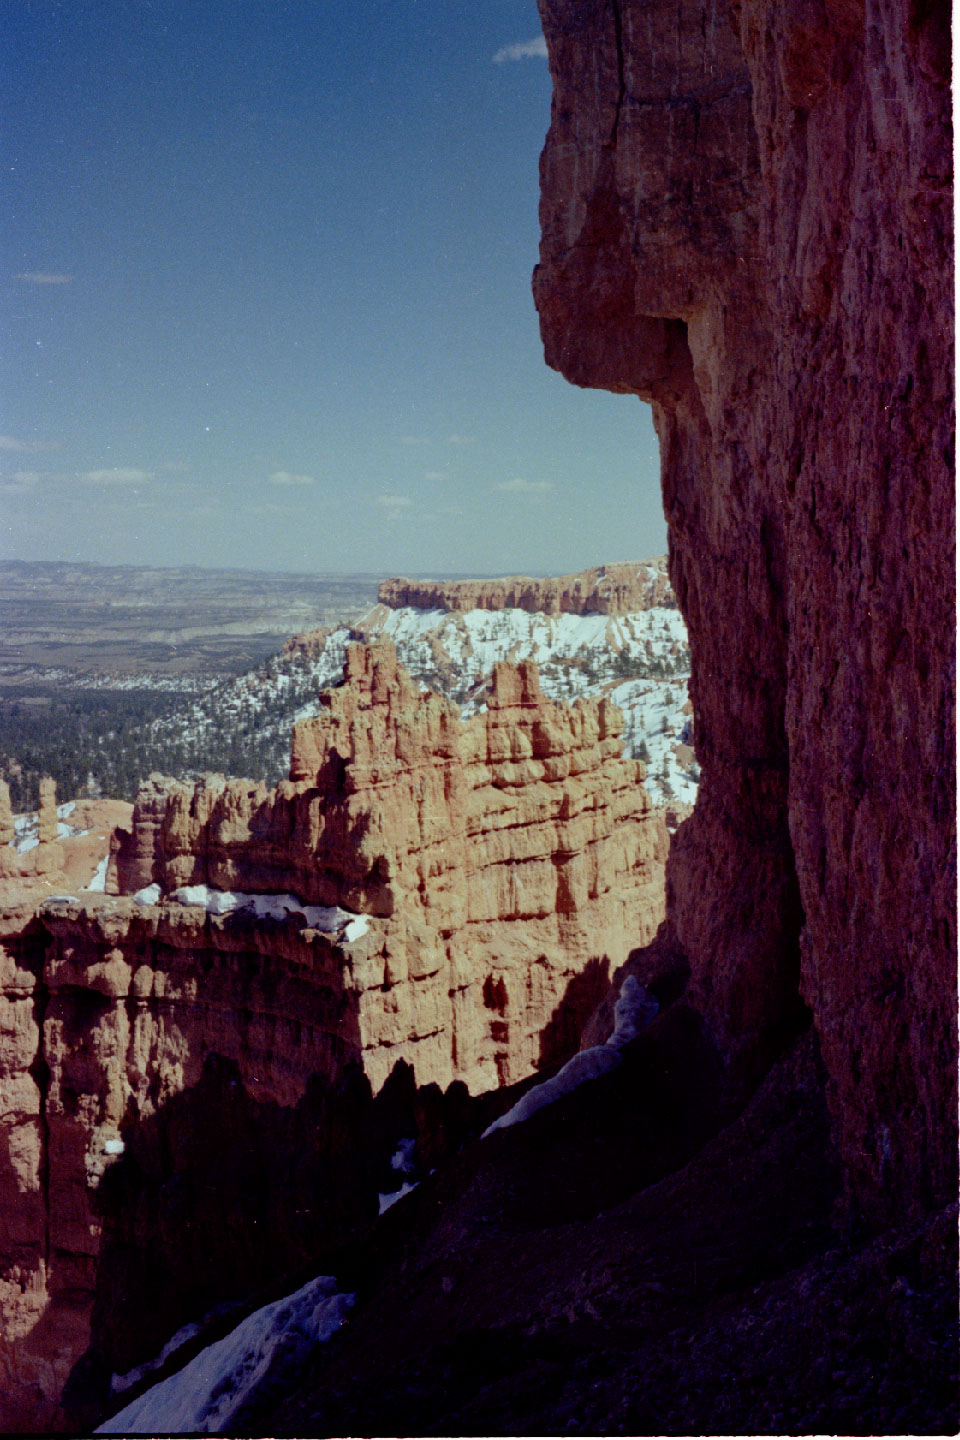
{"type": "Point", "coordinates": [99, 881]}
{"type": "Point", "coordinates": [402, 1158]}
{"type": "Point", "coordinates": [356, 928]}
{"type": "Point", "coordinates": [391, 1199]}
{"type": "Point", "coordinates": [635, 1008]}
{"type": "Point", "coordinates": [331, 919]}
{"type": "Point", "coordinates": [149, 895]}
{"type": "Point", "coordinates": [208, 1392]}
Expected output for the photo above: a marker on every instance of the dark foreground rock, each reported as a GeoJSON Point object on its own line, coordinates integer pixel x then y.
{"type": "Point", "coordinates": [535, 1289]}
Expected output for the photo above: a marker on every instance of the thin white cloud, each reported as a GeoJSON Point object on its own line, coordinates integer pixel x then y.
{"type": "Point", "coordinates": [284, 477]}
{"type": "Point", "coordinates": [30, 447]}
{"type": "Point", "coordinates": [43, 277]}
{"type": "Point", "coordinates": [434, 475]}
{"type": "Point", "coordinates": [394, 502]}
{"type": "Point", "coordinates": [519, 486]}
{"type": "Point", "coordinates": [116, 475]}
{"type": "Point", "coordinates": [456, 439]}
{"type": "Point", "coordinates": [19, 482]}
{"type": "Point", "coordinates": [535, 49]}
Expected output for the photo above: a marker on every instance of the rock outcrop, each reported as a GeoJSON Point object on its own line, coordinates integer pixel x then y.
{"type": "Point", "coordinates": [746, 215]}
{"type": "Point", "coordinates": [619, 589]}
{"type": "Point", "coordinates": [7, 831]}
{"type": "Point", "coordinates": [190, 1076]}
{"type": "Point", "coordinates": [505, 854]}
{"type": "Point", "coordinates": [47, 823]}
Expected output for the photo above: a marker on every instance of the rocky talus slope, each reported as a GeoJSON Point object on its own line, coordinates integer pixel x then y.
{"type": "Point", "coordinates": [747, 221]}
{"type": "Point", "coordinates": [204, 1073]}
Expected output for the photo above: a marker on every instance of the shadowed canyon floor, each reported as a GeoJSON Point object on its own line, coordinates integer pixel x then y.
{"type": "Point", "coordinates": [552, 1282]}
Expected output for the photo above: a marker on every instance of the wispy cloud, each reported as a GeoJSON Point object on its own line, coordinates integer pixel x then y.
{"type": "Point", "coordinates": [456, 439]}
{"type": "Point", "coordinates": [19, 482]}
{"type": "Point", "coordinates": [535, 49]}
{"type": "Point", "coordinates": [434, 475]}
{"type": "Point", "coordinates": [43, 277]}
{"type": "Point", "coordinates": [394, 502]}
{"type": "Point", "coordinates": [284, 477]}
{"type": "Point", "coordinates": [519, 486]}
{"type": "Point", "coordinates": [442, 511]}
{"type": "Point", "coordinates": [115, 475]}
{"type": "Point", "coordinates": [112, 475]}
{"type": "Point", "coordinates": [28, 447]}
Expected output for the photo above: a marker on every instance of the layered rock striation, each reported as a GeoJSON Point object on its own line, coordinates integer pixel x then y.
{"type": "Point", "coordinates": [620, 589]}
{"type": "Point", "coordinates": [503, 854]}
{"type": "Point", "coordinates": [190, 1066]}
{"type": "Point", "coordinates": [746, 220]}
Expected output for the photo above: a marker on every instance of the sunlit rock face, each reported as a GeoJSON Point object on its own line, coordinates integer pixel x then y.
{"type": "Point", "coordinates": [746, 217]}
{"type": "Point", "coordinates": [503, 855]}
{"type": "Point", "coordinates": [620, 589]}
{"type": "Point", "coordinates": [199, 1070]}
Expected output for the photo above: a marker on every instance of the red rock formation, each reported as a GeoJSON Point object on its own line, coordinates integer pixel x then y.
{"type": "Point", "coordinates": [108, 1012]}
{"type": "Point", "coordinates": [746, 215]}
{"type": "Point", "coordinates": [504, 865]}
{"type": "Point", "coordinates": [606, 590]}
{"type": "Point", "coordinates": [47, 813]}
{"type": "Point", "coordinates": [521, 834]}
{"type": "Point", "coordinates": [6, 815]}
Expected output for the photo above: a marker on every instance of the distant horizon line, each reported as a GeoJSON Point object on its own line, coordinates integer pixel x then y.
{"type": "Point", "coordinates": [438, 575]}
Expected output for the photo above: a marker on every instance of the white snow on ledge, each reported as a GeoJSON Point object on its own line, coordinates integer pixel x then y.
{"type": "Point", "coordinates": [329, 918]}
{"type": "Point", "coordinates": [207, 1393]}
{"type": "Point", "coordinates": [634, 1010]}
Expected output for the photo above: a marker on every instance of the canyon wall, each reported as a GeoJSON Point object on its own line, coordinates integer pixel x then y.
{"type": "Point", "coordinates": [620, 589]}
{"type": "Point", "coordinates": [746, 220]}
{"type": "Point", "coordinates": [199, 1075]}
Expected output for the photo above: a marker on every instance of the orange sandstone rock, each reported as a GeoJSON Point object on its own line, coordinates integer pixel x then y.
{"type": "Point", "coordinates": [503, 866]}
{"type": "Point", "coordinates": [619, 589]}
{"type": "Point", "coordinates": [521, 836]}
{"type": "Point", "coordinates": [47, 814]}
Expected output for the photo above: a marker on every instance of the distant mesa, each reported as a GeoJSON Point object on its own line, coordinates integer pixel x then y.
{"type": "Point", "coordinates": [620, 589]}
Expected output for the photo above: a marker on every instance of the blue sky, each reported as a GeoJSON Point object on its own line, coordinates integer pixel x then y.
{"type": "Point", "coordinates": [265, 287]}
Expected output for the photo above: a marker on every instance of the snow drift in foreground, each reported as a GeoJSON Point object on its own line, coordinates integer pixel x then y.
{"type": "Point", "coordinates": [206, 1395]}
{"type": "Point", "coordinates": [635, 1008]}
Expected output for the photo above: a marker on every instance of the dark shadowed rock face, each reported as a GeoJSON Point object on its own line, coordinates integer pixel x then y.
{"type": "Point", "coordinates": [746, 214]}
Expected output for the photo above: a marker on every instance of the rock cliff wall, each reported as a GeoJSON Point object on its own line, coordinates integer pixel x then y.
{"type": "Point", "coordinates": [619, 589]}
{"type": "Point", "coordinates": [746, 220]}
{"type": "Point", "coordinates": [504, 853]}
{"type": "Point", "coordinates": [189, 1084]}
